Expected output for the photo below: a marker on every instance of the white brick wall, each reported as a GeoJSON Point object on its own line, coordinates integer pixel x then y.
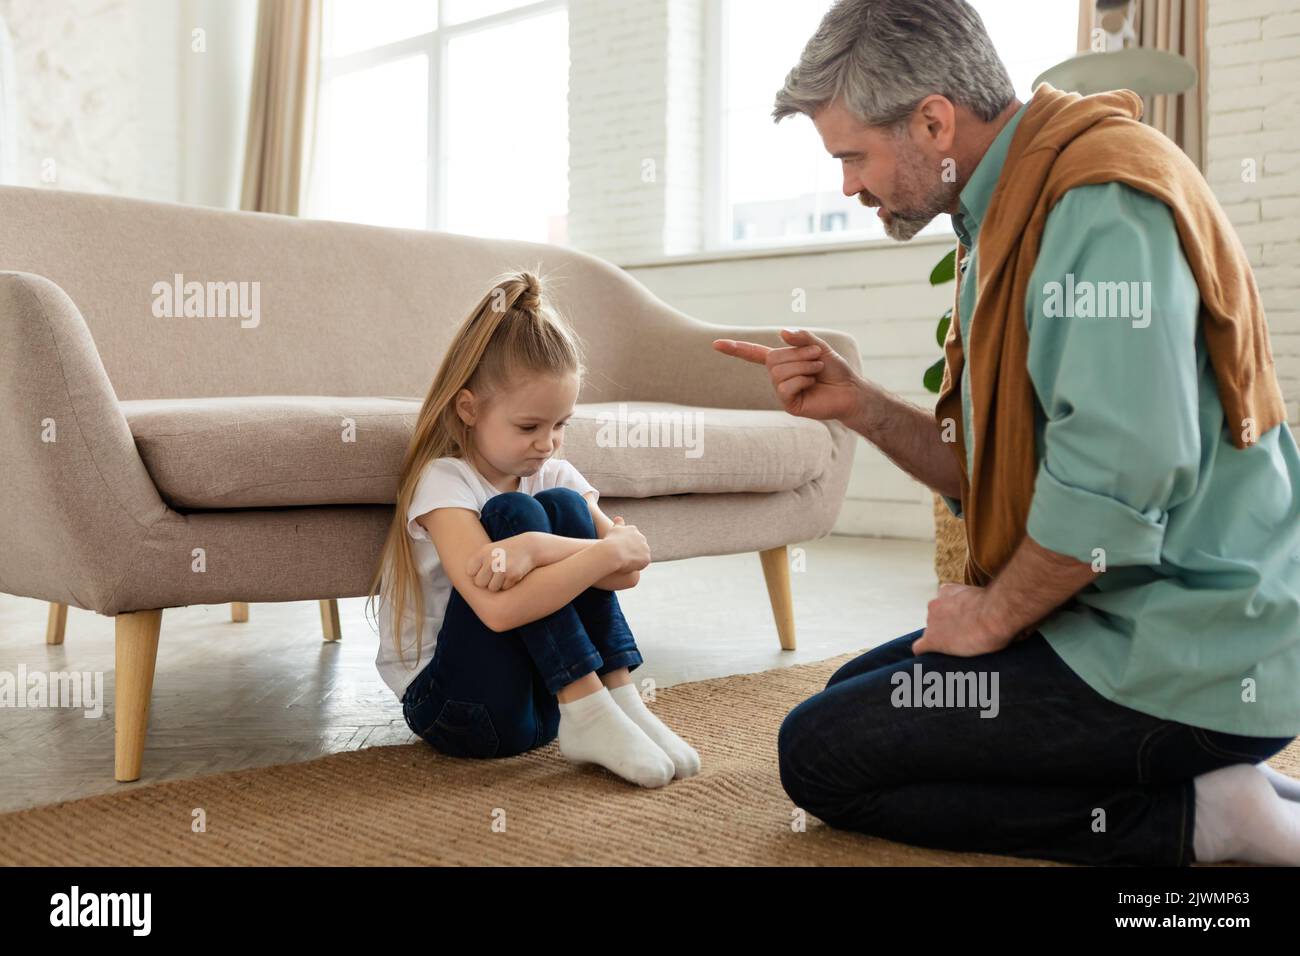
{"type": "Point", "coordinates": [1253, 151]}
{"type": "Point", "coordinates": [683, 178]}
{"type": "Point", "coordinates": [635, 126]}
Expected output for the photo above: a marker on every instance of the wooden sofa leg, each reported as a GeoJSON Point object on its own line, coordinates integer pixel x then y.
{"type": "Point", "coordinates": [329, 617]}
{"type": "Point", "coordinates": [776, 571]}
{"type": "Point", "coordinates": [57, 624]}
{"type": "Point", "coordinates": [136, 653]}
{"type": "Point", "coordinates": [329, 620]}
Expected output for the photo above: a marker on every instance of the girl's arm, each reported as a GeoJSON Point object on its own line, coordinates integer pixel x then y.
{"type": "Point", "coordinates": [457, 534]}
{"type": "Point", "coordinates": [550, 548]}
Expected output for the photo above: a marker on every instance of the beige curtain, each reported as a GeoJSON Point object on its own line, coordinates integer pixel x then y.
{"type": "Point", "coordinates": [1177, 26]}
{"type": "Point", "coordinates": [282, 109]}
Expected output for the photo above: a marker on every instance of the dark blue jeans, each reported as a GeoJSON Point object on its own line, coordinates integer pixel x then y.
{"type": "Point", "coordinates": [1060, 773]}
{"type": "Point", "coordinates": [490, 694]}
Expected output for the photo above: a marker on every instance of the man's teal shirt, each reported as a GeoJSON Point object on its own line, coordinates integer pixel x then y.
{"type": "Point", "coordinates": [1196, 617]}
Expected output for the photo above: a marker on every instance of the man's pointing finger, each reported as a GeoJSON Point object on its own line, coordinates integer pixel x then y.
{"type": "Point", "coordinates": [749, 351]}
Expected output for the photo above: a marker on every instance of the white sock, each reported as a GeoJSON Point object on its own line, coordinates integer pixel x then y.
{"type": "Point", "coordinates": [683, 755]}
{"type": "Point", "coordinates": [593, 729]}
{"type": "Point", "coordinates": [1288, 788]}
{"type": "Point", "coordinates": [1239, 817]}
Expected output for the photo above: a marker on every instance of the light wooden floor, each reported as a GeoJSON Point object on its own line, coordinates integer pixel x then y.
{"type": "Point", "coordinates": [229, 696]}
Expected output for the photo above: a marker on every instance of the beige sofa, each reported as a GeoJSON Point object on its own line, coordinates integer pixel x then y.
{"type": "Point", "coordinates": [154, 459]}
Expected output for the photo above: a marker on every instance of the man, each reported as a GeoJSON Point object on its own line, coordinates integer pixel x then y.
{"type": "Point", "coordinates": [1130, 490]}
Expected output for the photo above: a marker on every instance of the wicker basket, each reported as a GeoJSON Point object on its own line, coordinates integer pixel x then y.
{"type": "Point", "coordinates": [949, 544]}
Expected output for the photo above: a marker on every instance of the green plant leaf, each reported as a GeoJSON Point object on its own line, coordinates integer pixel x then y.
{"type": "Point", "coordinates": [942, 332]}
{"type": "Point", "coordinates": [945, 270]}
{"type": "Point", "coordinates": [934, 377]}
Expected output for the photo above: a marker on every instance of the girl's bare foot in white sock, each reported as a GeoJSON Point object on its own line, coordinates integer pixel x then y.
{"type": "Point", "coordinates": [594, 729]}
{"type": "Point", "coordinates": [1239, 817]}
{"type": "Point", "coordinates": [683, 755]}
{"type": "Point", "coordinates": [1288, 788]}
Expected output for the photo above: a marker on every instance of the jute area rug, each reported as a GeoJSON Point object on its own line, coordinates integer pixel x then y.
{"type": "Point", "coordinates": [408, 805]}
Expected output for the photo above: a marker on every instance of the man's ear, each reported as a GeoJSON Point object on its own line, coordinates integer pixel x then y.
{"type": "Point", "coordinates": [935, 120]}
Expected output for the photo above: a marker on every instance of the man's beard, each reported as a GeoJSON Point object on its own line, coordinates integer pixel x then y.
{"type": "Point", "coordinates": [921, 197]}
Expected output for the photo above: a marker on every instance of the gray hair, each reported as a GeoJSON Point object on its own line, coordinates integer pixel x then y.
{"type": "Point", "coordinates": [882, 57]}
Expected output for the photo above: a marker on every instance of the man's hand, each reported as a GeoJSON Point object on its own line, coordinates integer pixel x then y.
{"type": "Point", "coordinates": [811, 379]}
{"type": "Point", "coordinates": [500, 565]}
{"type": "Point", "coordinates": [957, 623]}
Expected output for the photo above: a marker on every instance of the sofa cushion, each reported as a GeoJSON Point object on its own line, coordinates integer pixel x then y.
{"type": "Point", "coordinates": [647, 449]}
{"type": "Point", "coordinates": [289, 450]}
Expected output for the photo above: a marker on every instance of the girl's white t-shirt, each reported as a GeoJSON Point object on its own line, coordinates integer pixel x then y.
{"type": "Point", "coordinates": [448, 483]}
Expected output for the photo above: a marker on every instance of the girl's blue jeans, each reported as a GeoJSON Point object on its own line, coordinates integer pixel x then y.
{"type": "Point", "coordinates": [490, 694]}
{"type": "Point", "coordinates": [1060, 773]}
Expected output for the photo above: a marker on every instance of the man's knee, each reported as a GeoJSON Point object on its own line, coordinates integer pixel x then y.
{"type": "Point", "coordinates": [799, 744]}
{"type": "Point", "coordinates": [815, 782]}
{"type": "Point", "coordinates": [886, 655]}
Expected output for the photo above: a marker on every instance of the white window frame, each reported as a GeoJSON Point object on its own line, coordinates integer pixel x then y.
{"type": "Point", "coordinates": [434, 46]}
{"type": "Point", "coordinates": [716, 213]}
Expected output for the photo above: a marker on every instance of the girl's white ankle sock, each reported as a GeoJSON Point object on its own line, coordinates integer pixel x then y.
{"type": "Point", "coordinates": [1288, 788]}
{"type": "Point", "coordinates": [683, 755]}
{"type": "Point", "coordinates": [1239, 817]}
{"type": "Point", "coordinates": [594, 729]}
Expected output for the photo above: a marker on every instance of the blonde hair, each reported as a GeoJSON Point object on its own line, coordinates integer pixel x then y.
{"type": "Point", "coordinates": [513, 333]}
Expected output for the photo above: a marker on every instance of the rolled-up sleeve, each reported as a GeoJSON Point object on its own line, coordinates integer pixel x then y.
{"type": "Point", "coordinates": [1118, 430]}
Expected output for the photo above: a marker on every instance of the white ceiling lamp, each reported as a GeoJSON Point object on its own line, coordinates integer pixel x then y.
{"type": "Point", "coordinates": [1117, 62]}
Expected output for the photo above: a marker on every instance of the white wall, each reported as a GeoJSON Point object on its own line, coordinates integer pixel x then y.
{"type": "Point", "coordinates": [635, 126]}
{"type": "Point", "coordinates": [111, 97]}
{"type": "Point", "coordinates": [97, 95]}
{"type": "Point", "coordinates": [215, 88]}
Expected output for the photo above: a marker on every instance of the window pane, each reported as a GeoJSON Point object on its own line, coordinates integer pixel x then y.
{"type": "Point", "coordinates": [458, 11]}
{"type": "Point", "coordinates": [779, 181]}
{"type": "Point", "coordinates": [764, 39]}
{"type": "Point", "coordinates": [782, 183]}
{"type": "Point", "coordinates": [507, 150]}
{"type": "Point", "coordinates": [352, 25]}
{"type": "Point", "coordinates": [371, 164]}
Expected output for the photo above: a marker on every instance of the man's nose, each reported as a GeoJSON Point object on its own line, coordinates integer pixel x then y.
{"type": "Point", "coordinates": [851, 185]}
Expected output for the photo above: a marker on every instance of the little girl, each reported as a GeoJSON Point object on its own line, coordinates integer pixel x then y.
{"type": "Point", "coordinates": [498, 548]}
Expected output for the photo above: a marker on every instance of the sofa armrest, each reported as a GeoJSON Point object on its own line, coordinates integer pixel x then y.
{"type": "Point", "coordinates": [76, 501]}
{"type": "Point", "coordinates": [676, 361]}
